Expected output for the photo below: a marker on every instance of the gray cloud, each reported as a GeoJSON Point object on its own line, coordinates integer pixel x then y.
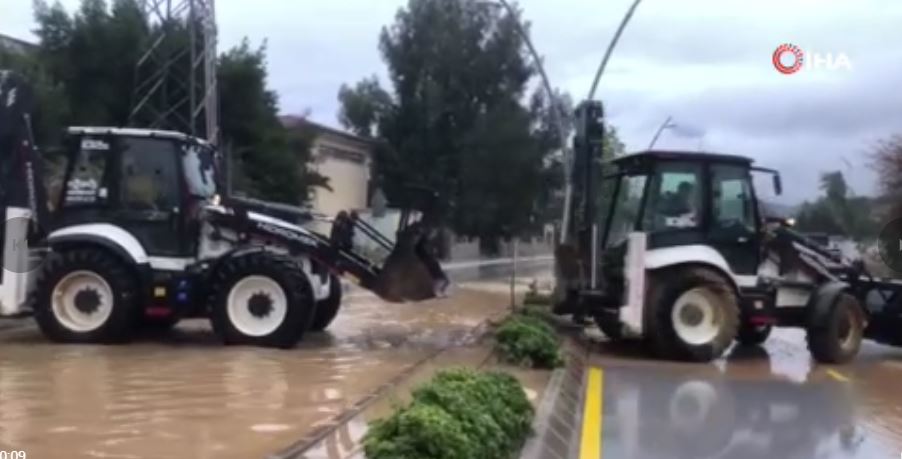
{"type": "Point", "coordinates": [706, 62]}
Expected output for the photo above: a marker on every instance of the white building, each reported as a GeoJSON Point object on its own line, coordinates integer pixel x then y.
{"type": "Point", "coordinates": [346, 159]}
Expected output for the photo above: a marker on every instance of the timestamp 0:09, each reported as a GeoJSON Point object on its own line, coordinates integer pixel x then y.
{"type": "Point", "coordinates": [13, 455]}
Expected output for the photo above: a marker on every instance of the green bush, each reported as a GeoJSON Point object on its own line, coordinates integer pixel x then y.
{"type": "Point", "coordinates": [459, 414]}
{"type": "Point", "coordinates": [419, 431]}
{"type": "Point", "coordinates": [528, 340]}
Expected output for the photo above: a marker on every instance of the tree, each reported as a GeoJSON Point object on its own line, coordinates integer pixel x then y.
{"type": "Point", "coordinates": [887, 163]}
{"type": "Point", "coordinates": [86, 67]}
{"type": "Point", "coordinates": [454, 119]}
{"type": "Point", "coordinates": [268, 161]}
{"type": "Point", "coordinates": [834, 186]}
{"type": "Point", "coordinates": [838, 212]}
{"type": "Point", "coordinates": [364, 106]}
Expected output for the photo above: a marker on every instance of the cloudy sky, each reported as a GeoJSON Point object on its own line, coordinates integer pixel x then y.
{"type": "Point", "coordinates": [707, 63]}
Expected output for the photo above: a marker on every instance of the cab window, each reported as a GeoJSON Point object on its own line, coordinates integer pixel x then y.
{"type": "Point", "coordinates": [675, 198]}
{"type": "Point", "coordinates": [733, 208]}
{"type": "Point", "coordinates": [150, 179]}
{"type": "Point", "coordinates": [86, 180]}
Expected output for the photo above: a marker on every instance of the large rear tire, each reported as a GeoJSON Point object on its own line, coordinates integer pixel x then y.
{"type": "Point", "coordinates": [753, 335]}
{"type": "Point", "coordinates": [837, 338]}
{"type": "Point", "coordinates": [261, 299]}
{"type": "Point", "coordinates": [691, 314]}
{"type": "Point", "coordinates": [86, 295]}
{"type": "Point", "coordinates": [327, 309]}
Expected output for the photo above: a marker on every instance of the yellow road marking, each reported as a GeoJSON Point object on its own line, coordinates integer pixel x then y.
{"type": "Point", "coordinates": [590, 443]}
{"type": "Point", "coordinates": [837, 375]}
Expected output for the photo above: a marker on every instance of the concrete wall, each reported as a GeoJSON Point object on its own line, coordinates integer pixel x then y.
{"type": "Point", "coordinates": [347, 165]}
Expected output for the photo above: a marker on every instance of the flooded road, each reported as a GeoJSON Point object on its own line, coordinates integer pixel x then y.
{"type": "Point", "coordinates": [183, 395]}
{"type": "Point", "coordinates": [760, 402]}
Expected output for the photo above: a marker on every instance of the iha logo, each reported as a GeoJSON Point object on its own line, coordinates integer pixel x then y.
{"type": "Point", "coordinates": [789, 59]}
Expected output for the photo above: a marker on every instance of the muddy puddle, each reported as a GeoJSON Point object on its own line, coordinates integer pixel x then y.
{"type": "Point", "coordinates": [182, 395]}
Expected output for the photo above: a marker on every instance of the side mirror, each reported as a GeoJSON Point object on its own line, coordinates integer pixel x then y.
{"type": "Point", "coordinates": [778, 185]}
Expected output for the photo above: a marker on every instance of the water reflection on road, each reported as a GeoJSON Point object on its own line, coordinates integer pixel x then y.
{"type": "Point", "coordinates": [184, 395]}
{"type": "Point", "coordinates": [758, 403]}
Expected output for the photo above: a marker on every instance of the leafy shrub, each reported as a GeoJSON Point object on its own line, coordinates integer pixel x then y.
{"type": "Point", "coordinates": [419, 431]}
{"type": "Point", "coordinates": [459, 414]}
{"type": "Point", "coordinates": [529, 341]}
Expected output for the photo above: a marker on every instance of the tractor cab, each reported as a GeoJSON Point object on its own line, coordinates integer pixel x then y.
{"type": "Point", "coordinates": [675, 249]}
{"type": "Point", "coordinates": [150, 183]}
{"type": "Point", "coordinates": [682, 199]}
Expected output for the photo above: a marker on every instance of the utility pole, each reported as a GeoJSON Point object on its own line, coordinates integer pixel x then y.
{"type": "Point", "coordinates": [557, 112]}
{"type": "Point", "coordinates": [665, 125]}
{"type": "Point", "coordinates": [175, 83]}
{"type": "Point", "coordinates": [611, 46]}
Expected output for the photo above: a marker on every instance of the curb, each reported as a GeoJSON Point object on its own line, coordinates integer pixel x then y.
{"type": "Point", "coordinates": [557, 422]}
{"type": "Point", "coordinates": [299, 448]}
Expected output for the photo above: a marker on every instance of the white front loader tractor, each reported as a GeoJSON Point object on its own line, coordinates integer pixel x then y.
{"type": "Point", "coordinates": [681, 254]}
{"type": "Point", "coordinates": [141, 234]}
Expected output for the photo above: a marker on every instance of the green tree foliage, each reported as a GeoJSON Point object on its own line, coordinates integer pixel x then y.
{"type": "Point", "coordinates": [838, 211]}
{"type": "Point", "coordinates": [887, 163]}
{"type": "Point", "coordinates": [363, 106]}
{"type": "Point", "coordinates": [268, 161]}
{"type": "Point", "coordinates": [459, 118]}
{"type": "Point", "coordinates": [49, 94]}
{"type": "Point", "coordinates": [86, 71]}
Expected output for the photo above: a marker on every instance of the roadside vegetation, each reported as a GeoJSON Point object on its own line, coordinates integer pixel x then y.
{"type": "Point", "coordinates": [528, 340]}
{"type": "Point", "coordinates": [84, 70]}
{"type": "Point", "coordinates": [459, 414]}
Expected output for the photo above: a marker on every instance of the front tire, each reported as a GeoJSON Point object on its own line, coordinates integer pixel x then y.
{"type": "Point", "coordinates": [261, 299]}
{"type": "Point", "coordinates": [753, 335]}
{"type": "Point", "coordinates": [692, 314]}
{"type": "Point", "coordinates": [86, 296]}
{"type": "Point", "coordinates": [837, 338]}
{"type": "Point", "coordinates": [327, 309]}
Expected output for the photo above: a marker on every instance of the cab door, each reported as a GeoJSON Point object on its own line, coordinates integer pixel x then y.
{"type": "Point", "coordinates": [733, 228]}
{"type": "Point", "coordinates": [150, 191]}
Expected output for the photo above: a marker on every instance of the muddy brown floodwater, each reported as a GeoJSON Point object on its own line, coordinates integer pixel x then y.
{"type": "Point", "coordinates": [182, 395]}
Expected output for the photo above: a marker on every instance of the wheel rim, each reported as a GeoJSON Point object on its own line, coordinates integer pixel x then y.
{"type": "Point", "coordinates": [82, 301]}
{"type": "Point", "coordinates": [696, 318]}
{"type": "Point", "coordinates": [848, 330]}
{"type": "Point", "coordinates": [257, 306]}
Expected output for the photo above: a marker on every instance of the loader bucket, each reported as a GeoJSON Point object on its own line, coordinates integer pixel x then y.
{"type": "Point", "coordinates": [411, 272]}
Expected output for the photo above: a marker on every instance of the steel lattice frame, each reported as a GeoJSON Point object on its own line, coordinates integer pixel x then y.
{"type": "Point", "coordinates": [175, 87]}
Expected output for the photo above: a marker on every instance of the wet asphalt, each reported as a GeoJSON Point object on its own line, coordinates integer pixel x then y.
{"type": "Point", "coordinates": [182, 394]}
{"type": "Point", "coordinates": [770, 401]}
